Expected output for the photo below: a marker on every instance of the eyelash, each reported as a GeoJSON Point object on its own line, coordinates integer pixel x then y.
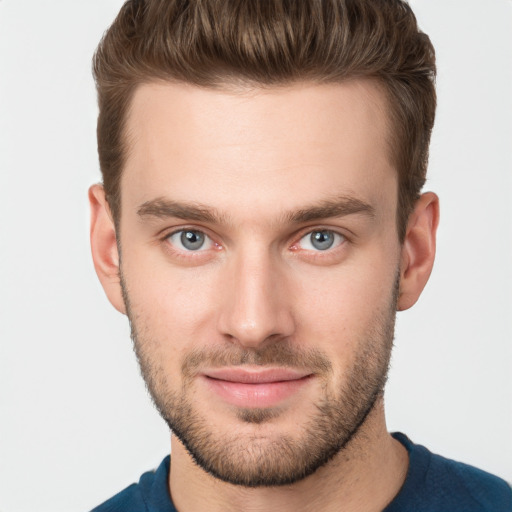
{"type": "Point", "coordinates": [185, 254]}
{"type": "Point", "coordinates": [340, 240]}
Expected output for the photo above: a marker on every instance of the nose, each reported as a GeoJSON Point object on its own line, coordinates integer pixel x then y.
{"type": "Point", "coordinates": [256, 306]}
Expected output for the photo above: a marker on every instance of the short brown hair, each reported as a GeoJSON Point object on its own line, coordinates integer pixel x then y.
{"type": "Point", "coordinates": [210, 43]}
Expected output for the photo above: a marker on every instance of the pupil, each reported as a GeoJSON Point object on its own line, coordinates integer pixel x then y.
{"type": "Point", "coordinates": [192, 240]}
{"type": "Point", "coordinates": [322, 240]}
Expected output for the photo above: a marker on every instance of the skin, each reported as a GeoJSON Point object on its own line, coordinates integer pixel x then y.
{"type": "Point", "coordinates": [256, 158]}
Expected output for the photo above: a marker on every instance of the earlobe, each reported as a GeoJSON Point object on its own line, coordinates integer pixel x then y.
{"type": "Point", "coordinates": [418, 250]}
{"type": "Point", "coordinates": [104, 247]}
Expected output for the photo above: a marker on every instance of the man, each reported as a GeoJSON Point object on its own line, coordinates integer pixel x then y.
{"type": "Point", "coordinates": [260, 222]}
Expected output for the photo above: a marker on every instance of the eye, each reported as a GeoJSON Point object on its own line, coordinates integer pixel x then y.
{"type": "Point", "coordinates": [321, 240]}
{"type": "Point", "coordinates": [190, 240]}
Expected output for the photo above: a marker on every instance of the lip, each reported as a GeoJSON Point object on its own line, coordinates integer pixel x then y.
{"type": "Point", "coordinates": [255, 387]}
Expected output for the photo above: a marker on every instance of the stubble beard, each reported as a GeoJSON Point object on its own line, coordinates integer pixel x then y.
{"type": "Point", "coordinates": [263, 460]}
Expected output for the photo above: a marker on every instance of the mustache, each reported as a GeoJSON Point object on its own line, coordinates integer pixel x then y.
{"type": "Point", "coordinates": [280, 354]}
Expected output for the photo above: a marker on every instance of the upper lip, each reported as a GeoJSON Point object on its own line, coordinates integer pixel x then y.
{"type": "Point", "coordinates": [255, 375]}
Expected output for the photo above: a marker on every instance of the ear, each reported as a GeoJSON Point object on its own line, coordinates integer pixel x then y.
{"type": "Point", "coordinates": [104, 247]}
{"type": "Point", "coordinates": [418, 250]}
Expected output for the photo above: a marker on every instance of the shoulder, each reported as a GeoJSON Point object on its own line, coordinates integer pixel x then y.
{"type": "Point", "coordinates": [151, 491]}
{"type": "Point", "coordinates": [128, 500]}
{"type": "Point", "coordinates": [435, 483]}
{"type": "Point", "coordinates": [489, 491]}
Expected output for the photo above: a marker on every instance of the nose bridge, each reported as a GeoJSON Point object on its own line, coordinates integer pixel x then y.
{"type": "Point", "coordinates": [255, 308]}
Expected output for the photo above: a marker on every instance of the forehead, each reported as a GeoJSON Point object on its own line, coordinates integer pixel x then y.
{"type": "Point", "coordinates": [267, 148]}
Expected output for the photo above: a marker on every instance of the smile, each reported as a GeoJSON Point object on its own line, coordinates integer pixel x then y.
{"type": "Point", "coordinates": [255, 388]}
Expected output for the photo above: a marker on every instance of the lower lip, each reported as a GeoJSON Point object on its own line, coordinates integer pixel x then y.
{"type": "Point", "coordinates": [267, 394]}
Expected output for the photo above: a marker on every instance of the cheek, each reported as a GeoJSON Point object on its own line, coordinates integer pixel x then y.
{"type": "Point", "coordinates": [170, 306]}
{"type": "Point", "coordinates": [342, 307]}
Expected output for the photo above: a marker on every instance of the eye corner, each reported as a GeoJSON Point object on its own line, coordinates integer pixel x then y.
{"type": "Point", "coordinates": [320, 240]}
{"type": "Point", "coordinates": [190, 240]}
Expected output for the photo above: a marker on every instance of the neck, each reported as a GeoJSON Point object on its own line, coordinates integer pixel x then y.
{"type": "Point", "coordinates": [366, 475]}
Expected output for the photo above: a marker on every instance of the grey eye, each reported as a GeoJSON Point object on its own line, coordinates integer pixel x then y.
{"type": "Point", "coordinates": [192, 240]}
{"type": "Point", "coordinates": [322, 240]}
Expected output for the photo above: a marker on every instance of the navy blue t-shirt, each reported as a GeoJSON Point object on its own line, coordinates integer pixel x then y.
{"type": "Point", "coordinates": [433, 484]}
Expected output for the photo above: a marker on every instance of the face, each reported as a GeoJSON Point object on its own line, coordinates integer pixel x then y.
{"type": "Point", "coordinates": [259, 260]}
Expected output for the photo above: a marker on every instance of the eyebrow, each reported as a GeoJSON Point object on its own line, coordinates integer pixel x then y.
{"type": "Point", "coordinates": [163, 208]}
{"type": "Point", "coordinates": [337, 207]}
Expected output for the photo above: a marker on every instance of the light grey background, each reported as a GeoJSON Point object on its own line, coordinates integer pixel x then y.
{"type": "Point", "coordinates": [76, 424]}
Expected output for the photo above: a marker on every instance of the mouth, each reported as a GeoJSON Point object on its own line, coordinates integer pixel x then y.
{"type": "Point", "coordinates": [253, 387]}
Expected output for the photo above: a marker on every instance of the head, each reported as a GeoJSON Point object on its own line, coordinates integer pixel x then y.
{"type": "Point", "coordinates": [261, 218]}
